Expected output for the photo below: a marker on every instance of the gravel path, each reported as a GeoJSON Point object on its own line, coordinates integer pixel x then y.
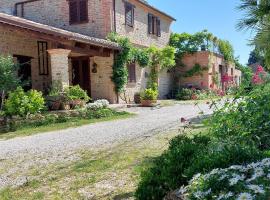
{"type": "Point", "coordinates": [19, 156]}
{"type": "Point", "coordinates": [147, 121]}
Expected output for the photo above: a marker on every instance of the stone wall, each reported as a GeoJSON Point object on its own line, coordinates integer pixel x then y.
{"type": "Point", "coordinates": [102, 86]}
{"type": "Point", "coordinates": [139, 33]}
{"type": "Point", "coordinates": [14, 42]}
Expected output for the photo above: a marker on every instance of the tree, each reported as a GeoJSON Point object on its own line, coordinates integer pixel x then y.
{"type": "Point", "coordinates": [257, 19]}
{"type": "Point", "coordinates": [9, 79]}
{"type": "Point", "coordinates": [256, 56]}
{"type": "Point", "coordinates": [226, 49]}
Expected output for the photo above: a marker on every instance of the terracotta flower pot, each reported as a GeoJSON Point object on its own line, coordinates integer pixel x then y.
{"type": "Point", "coordinates": [148, 103]}
{"type": "Point", "coordinates": [77, 103]}
{"type": "Point", "coordinates": [55, 105]}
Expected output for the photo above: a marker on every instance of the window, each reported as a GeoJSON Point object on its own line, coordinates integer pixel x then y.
{"type": "Point", "coordinates": [231, 71]}
{"type": "Point", "coordinates": [129, 14]}
{"type": "Point", "coordinates": [132, 73]}
{"type": "Point", "coordinates": [78, 11]}
{"type": "Point", "coordinates": [43, 58]}
{"type": "Point", "coordinates": [154, 25]}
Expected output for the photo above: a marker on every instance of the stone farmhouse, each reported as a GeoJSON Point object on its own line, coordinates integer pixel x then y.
{"type": "Point", "coordinates": [65, 40]}
{"type": "Point", "coordinates": [215, 72]}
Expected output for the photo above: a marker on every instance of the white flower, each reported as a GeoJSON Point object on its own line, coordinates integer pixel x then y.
{"type": "Point", "coordinates": [99, 104]}
{"type": "Point", "coordinates": [105, 103]}
{"type": "Point", "coordinates": [195, 178]}
{"type": "Point", "coordinates": [223, 177]}
{"type": "Point", "coordinates": [235, 179]}
{"type": "Point", "coordinates": [201, 195]}
{"type": "Point", "coordinates": [256, 189]}
{"type": "Point", "coordinates": [258, 172]}
{"type": "Point", "coordinates": [225, 196]}
{"type": "Point", "coordinates": [245, 196]}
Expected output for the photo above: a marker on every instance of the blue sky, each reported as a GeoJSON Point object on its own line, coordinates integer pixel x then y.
{"type": "Point", "coordinates": [217, 16]}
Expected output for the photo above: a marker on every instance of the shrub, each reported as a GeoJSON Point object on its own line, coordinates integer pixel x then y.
{"type": "Point", "coordinates": [166, 172]}
{"type": "Point", "coordinates": [184, 94]}
{"type": "Point", "coordinates": [76, 93]}
{"type": "Point", "coordinates": [236, 182]}
{"type": "Point", "coordinates": [100, 113]}
{"type": "Point", "coordinates": [149, 94]}
{"type": "Point", "coordinates": [22, 103]}
{"type": "Point", "coordinates": [188, 156]}
{"type": "Point", "coordinates": [247, 118]}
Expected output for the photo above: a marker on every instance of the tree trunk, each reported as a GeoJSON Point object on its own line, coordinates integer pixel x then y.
{"type": "Point", "coordinates": [2, 99]}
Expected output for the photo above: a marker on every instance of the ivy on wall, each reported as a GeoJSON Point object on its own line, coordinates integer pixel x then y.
{"type": "Point", "coordinates": [197, 69]}
{"type": "Point", "coordinates": [128, 54]}
{"type": "Point", "coordinates": [153, 57]}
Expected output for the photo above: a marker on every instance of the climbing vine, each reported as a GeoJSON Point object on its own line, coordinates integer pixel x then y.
{"type": "Point", "coordinates": [153, 57]}
{"type": "Point", "coordinates": [159, 59]}
{"type": "Point", "coordinates": [197, 69]}
{"type": "Point", "coordinates": [128, 54]}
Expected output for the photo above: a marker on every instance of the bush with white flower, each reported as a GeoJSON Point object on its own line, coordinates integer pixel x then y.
{"type": "Point", "coordinates": [236, 182]}
{"type": "Point", "coordinates": [98, 104]}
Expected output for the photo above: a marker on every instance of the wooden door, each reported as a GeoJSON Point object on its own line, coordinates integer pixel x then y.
{"type": "Point", "coordinates": [81, 73]}
{"type": "Point", "coordinates": [24, 71]}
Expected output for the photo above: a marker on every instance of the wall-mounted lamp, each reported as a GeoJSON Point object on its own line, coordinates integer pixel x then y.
{"type": "Point", "coordinates": [94, 70]}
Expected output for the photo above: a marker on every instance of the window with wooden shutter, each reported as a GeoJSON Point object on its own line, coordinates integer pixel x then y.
{"type": "Point", "coordinates": [129, 14]}
{"type": "Point", "coordinates": [78, 11]}
{"type": "Point", "coordinates": [154, 25]}
{"type": "Point", "coordinates": [150, 24]}
{"type": "Point", "coordinates": [158, 27]}
{"type": "Point", "coordinates": [43, 58]}
{"type": "Point", "coordinates": [131, 73]}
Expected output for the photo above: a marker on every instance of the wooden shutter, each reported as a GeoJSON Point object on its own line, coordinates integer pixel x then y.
{"type": "Point", "coordinates": [129, 14]}
{"type": "Point", "coordinates": [73, 11]}
{"type": "Point", "coordinates": [132, 73]}
{"type": "Point", "coordinates": [158, 27]}
{"type": "Point", "coordinates": [83, 10]}
{"type": "Point", "coordinates": [150, 23]}
{"type": "Point", "coordinates": [154, 25]}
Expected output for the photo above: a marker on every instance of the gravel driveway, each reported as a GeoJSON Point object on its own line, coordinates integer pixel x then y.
{"type": "Point", "coordinates": [146, 122]}
{"type": "Point", "coordinates": [19, 155]}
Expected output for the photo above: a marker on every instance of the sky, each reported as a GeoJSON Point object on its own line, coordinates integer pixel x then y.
{"type": "Point", "coordinates": [217, 16]}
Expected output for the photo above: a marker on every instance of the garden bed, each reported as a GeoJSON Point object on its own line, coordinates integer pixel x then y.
{"type": "Point", "coordinates": [56, 120]}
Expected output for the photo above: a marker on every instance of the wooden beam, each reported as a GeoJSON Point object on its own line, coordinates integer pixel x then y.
{"type": "Point", "coordinates": [85, 51]}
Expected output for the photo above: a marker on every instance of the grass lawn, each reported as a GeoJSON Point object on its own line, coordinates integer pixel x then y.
{"type": "Point", "coordinates": [106, 174]}
{"type": "Point", "coordinates": [26, 131]}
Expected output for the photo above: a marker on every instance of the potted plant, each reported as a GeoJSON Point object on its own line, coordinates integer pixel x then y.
{"type": "Point", "coordinates": [55, 97]}
{"type": "Point", "coordinates": [149, 97]}
{"type": "Point", "coordinates": [77, 96]}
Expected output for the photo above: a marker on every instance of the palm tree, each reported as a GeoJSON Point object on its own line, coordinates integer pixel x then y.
{"type": "Point", "coordinates": [257, 18]}
{"type": "Point", "coordinates": [255, 13]}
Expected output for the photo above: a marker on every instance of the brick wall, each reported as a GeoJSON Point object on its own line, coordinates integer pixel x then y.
{"type": "Point", "coordinates": [13, 42]}
{"type": "Point", "coordinates": [213, 62]}
{"type": "Point", "coordinates": [56, 13]}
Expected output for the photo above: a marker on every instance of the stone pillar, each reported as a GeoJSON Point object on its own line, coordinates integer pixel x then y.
{"type": "Point", "coordinates": [60, 65]}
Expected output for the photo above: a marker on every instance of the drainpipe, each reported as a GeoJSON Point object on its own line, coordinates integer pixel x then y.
{"type": "Point", "coordinates": [114, 16]}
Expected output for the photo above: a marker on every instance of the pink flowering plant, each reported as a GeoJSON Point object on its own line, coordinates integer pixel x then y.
{"type": "Point", "coordinates": [241, 182]}
{"type": "Point", "coordinates": [260, 76]}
